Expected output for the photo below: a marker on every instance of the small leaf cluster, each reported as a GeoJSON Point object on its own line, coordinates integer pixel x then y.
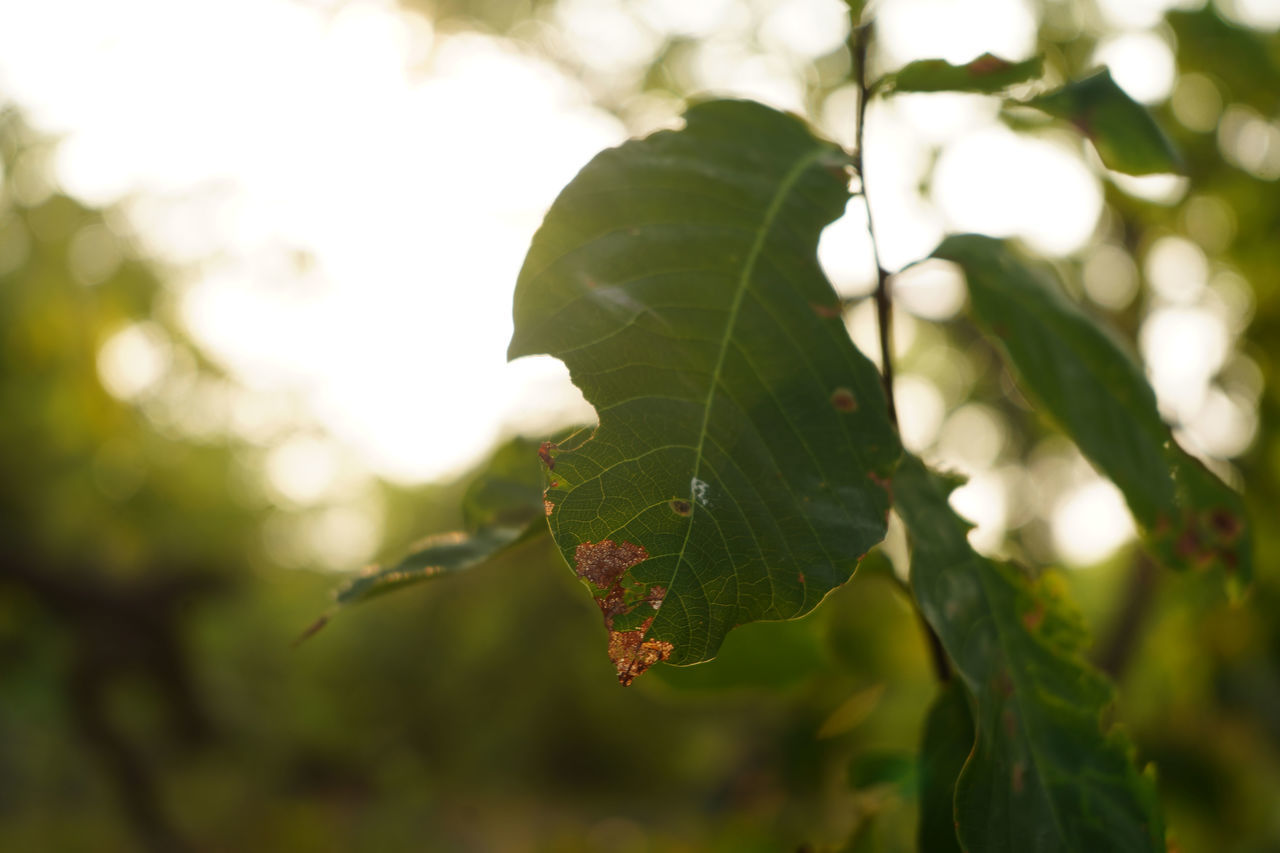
{"type": "Point", "coordinates": [747, 456]}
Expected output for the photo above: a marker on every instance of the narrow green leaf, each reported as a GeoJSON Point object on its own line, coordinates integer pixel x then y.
{"type": "Point", "coordinates": [1044, 776]}
{"type": "Point", "coordinates": [1125, 135]}
{"type": "Point", "coordinates": [948, 740]}
{"type": "Point", "coordinates": [986, 74]}
{"type": "Point", "coordinates": [508, 491]}
{"type": "Point", "coordinates": [1096, 391]}
{"type": "Point", "coordinates": [432, 557]}
{"type": "Point", "coordinates": [739, 469]}
{"type": "Point", "coordinates": [501, 507]}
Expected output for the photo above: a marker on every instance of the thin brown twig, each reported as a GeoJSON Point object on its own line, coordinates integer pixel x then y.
{"type": "Point", "coordinates": [860, 38]}
{"type": "Point", "coordinates": [859, 41]}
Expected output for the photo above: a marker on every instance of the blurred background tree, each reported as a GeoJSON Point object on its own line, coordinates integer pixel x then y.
{"type": "Point", "coordinates": [168, 533]}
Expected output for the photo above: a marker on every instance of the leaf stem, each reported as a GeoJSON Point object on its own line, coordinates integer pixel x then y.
{"type": "Point", "coordinates": [860, 35]}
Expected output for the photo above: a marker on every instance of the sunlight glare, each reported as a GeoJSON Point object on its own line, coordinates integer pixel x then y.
{"type": "Point", "coordinates": [956, 32]}
{"type": "Point", "coordinates": [995, 181]}
{"type": "Point", "coordinates": [1141, 63]}
{"type": "Point", "coordinates": [1090, 522]}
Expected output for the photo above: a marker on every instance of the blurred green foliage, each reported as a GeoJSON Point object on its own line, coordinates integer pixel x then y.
{"type": "Point", "coordinates": [150, 697]}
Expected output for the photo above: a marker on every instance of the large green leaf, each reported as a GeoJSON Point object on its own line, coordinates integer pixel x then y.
{"type": "Point", "coordinates": [502, 506]}
{"type": "Point", "coordinates": [1125, 135]}
{"type": "Point", "coordinates": [948, 739]}
{"type": "Point", "coordinates": [1044, 774]}
{"type": "Point", "coordinates": [1097, 392]}
{"type": "Point", "coordinates": [986, 74]}
{"type": "Point", "coordinates": [739, 469]}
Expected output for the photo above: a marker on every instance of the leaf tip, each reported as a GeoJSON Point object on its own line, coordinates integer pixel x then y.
{"type": "Point", "coordinates": [632, 655]}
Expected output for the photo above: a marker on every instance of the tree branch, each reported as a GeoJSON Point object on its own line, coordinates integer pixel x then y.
{"type": "Point", "coordinates": [860, 36]}
{"type": "Point", "coordinates": [859, 41]}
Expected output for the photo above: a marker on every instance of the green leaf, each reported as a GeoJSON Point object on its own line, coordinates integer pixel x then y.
{"type": "Point", "coordinates": [509, 490]}
{"type": "Point", "coordinates": [432, 557]}
{"type": "Point", "coordinates": [739, 469]}
{"type": "Point", "coordinates": [948, 740]}
{"type": "Point", "coordinates": [1044, 774]}
{"type": "Point", "coordinates": [1125, 135]}
{"type": "Point", "coordinates": [986, 74]}
{"type": "Point", "coordinates": [501, 507]}
{"type": "Point", "coordinates": [1096, 391]}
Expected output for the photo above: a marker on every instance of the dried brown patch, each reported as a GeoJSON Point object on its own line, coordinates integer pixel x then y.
{"type": "Point", "coordinates": [603, 563]}
{"type": "Point", "coordinates": [632, 654]}
{"type": "Point", "coordinates": [544, 453]}
{"type": "Point", "coordinates": [681, 507]}
{"type": "Point", "coordinates": [843, 400]}
{"type": "Point", "coordinates": [548, 506]}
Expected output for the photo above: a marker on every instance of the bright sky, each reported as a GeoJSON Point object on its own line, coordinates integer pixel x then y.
{"type": "Point", "coordinates": [345, 196]}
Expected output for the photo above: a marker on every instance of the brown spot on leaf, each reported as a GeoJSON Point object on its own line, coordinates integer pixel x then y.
{"type": "Point", "coordinates": [548, 506]}
{"type": "Point", "coordinates": [632, 654]}
{"type": "Point", "coordinates": [1034, 617]}
{"type": "Point", "coordinates": [839, 170]}
{"type": "Point", "coordinates": [885, 483]}
{"type": "Point", "coordinates": [1226, 525]}
{"type": "Point", "coordinates": [843, 400]}
{"type": "Point", "coordinates": [603, 563]}
{"type": "Point", "coordinates": [681, 507]}
{"type": "Point", "coordinates": [800, 577]}
{"type": "Point", "coordinates": [1018, 778]}
{"type": "Point", "coordinates": [987, 64]}
{"type": "Point", "coordinates": [544, 453]}
{"type": "Point", "coordinates": [826, 310]}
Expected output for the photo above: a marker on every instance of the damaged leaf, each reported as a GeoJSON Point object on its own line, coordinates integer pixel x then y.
{"type": "Point", "coordinates": [1045, 774]}
{"type": "Point", "coordinates": [1098, 394]}
{"type": "Point", "coordinates": [986, 74]}
{"type": "Point", "coordinates": [743, 440]}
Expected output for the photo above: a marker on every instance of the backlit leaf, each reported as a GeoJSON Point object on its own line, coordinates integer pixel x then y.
{"type": "Point", "coordinates": [986, 74]}
{"type": "Point", "coordinates": [1045, 775]}
{"type": "Point", "coordinates": [1096, 391]}
{"type": "Point", "coordinates": [739, 469]}
{"type": "Point", "coordinates": [502, 506]}
{"type": "Point", "coordinates": [1125, 135]}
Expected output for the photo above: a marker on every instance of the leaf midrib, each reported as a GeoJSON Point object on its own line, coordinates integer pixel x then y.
{"type": "Point", "coordinates": [744, 282]}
